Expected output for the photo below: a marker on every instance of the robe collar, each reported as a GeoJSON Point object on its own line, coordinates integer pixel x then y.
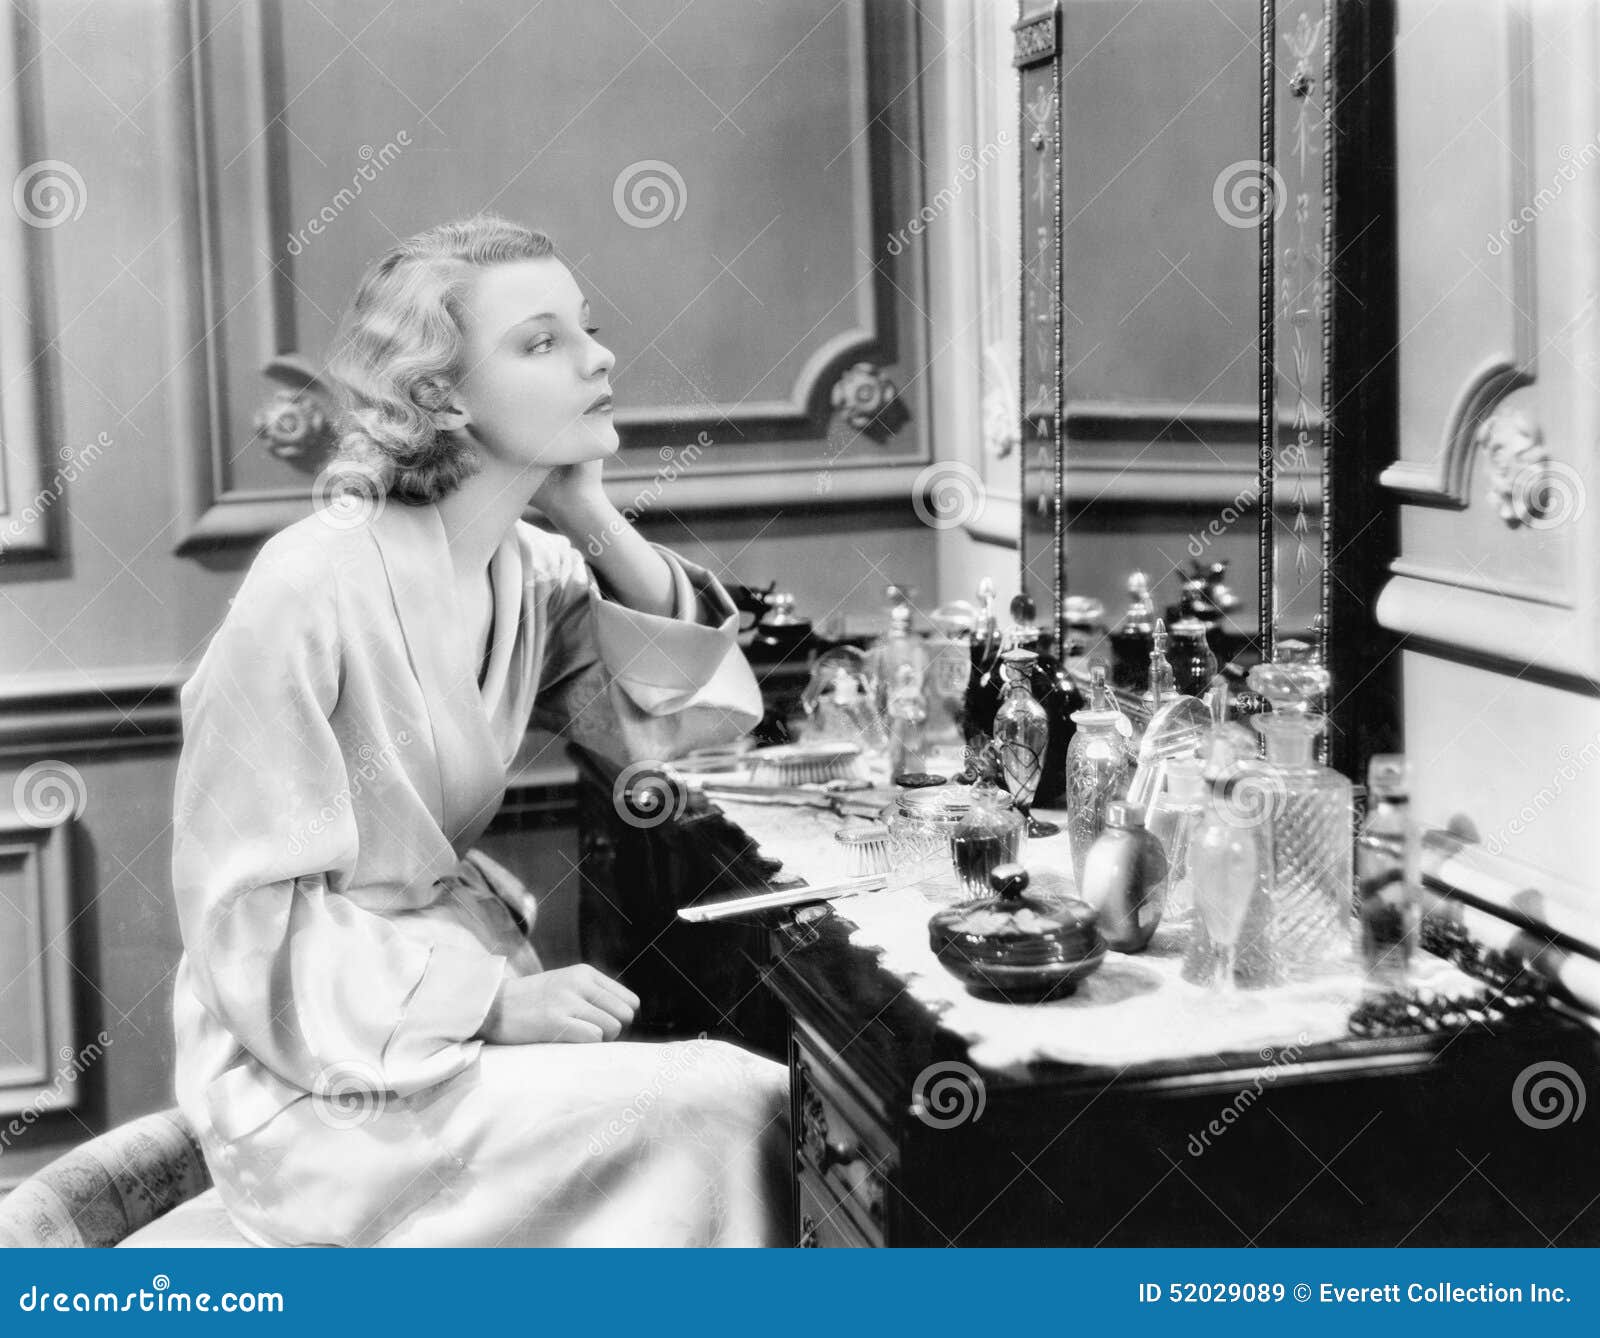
{"type": "Point", "coordinates": [471, 757]}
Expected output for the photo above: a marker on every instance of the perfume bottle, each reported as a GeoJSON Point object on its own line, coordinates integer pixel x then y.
{"type": "Point", "coordinates": [1099, 767]}
{"type": "Point", "coordinates": [1021, 737]}
{"type": "Point", "coordinates": [1125, 879]}
{"type": "Point", "coordinates": [992, 833]}
{"type": "Point", "coordinates": [1131, 638]}
{"type": "Point", "coordinates": [1388, 873]}
{"type": "Point", "coordinates": [1161, 687]}
{"type": "Point", "coordinates": [1052, 687]}
{"type": "Point", "coordinates": [1173, 821]}
{"type": "Point", "coordinates": [1194, 663]}
{"type": "Point", "coordinates": [897, 646]}
{"type": "Point", "coordinates": [1230, 862]}
{"type": "Point", "coordinates": [908, 718]}
{"type": "Point", "coordinates": [1312, 814]}
{"type": "Point", "coordinates": [1101, 698]}
{"type": "Point", "coordinates": [983, 679]}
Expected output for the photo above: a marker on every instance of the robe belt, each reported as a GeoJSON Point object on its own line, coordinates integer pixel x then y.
{"type": "Point", "coordinates": [477, 871]}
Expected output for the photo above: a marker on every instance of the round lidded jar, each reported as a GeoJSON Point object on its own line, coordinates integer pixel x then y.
{"type": "Point", "coordinates": [1023, 944]}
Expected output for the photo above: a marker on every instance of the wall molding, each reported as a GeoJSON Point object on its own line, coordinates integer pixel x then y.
{"type": "Point", "coordinates": [213, 514]}
{"type": "Point", "coordinates": [73, 713]}
{"type": "Point", "coordinates": [35, 896]}
{"type": "Point", "coordinates": [30, 508]}
{"type": "Point", "coordinates": [1446, 480]}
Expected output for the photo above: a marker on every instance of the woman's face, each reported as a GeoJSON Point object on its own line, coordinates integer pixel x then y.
{"type": "Point", "coordinates": [534, 369]}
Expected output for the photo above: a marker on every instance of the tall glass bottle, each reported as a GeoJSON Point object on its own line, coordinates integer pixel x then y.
{"type": "Point", "coordinates": [1021, 737]}
{"type": "Point", "coordinates": [1161, 687]}
{"type": "Point", "coordinates": [908, 716]}
{"type": "Point", "coordinates": [897, 646]}
{"type": "Point", "coordinates": [1174, 821]}
{"type": "Point", "coordinates": [1099, 767]}
{"type": "Point", "coordinates": [1312, 815]}
{"type": "Point", "coordinates": [1131, 638]}
{"type": "Point", "coordinates": [1388, 874]}
{"type": "Point", "coordinates": [1052, 687]}
{"type": "Point", "coordinates": [1230, 861]}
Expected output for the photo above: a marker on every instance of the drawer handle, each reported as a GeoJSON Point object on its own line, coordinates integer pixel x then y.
{"type": "Point", "coordinates": [825, 1153]}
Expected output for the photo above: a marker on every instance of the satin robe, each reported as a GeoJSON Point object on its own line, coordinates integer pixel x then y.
{"type": "Point", "coordinates": [343, 942]}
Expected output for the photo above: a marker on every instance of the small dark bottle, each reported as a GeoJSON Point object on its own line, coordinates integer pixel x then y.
{"type": "Point", "coordinates": [1194, 663]}
{"type": "Point", "coordinates": [982, 698]}
{"type": "Point", "coordinates": [1052, 687]}
{"type": "Point", "coordinates": [1132, 639]}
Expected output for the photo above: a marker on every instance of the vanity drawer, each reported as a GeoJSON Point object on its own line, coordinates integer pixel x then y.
{"type": "Point", "coordinates": [824, 1223]}
{"type": "Point", "coordinates": [844, 1157]}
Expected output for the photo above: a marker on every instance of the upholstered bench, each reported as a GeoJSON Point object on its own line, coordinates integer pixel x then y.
{"type": "Point", "coordinates": [143, 1184]}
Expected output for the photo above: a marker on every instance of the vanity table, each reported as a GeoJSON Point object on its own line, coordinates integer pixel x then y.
{"type": "Point", "coordinates": [908, 1132]}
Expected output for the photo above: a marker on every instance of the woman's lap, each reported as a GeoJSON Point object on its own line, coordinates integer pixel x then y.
{"type": "Point", "coordinates": [624, 1143]}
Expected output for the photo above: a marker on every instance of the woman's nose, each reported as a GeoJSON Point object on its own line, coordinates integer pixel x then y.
{"type": "Point", "coordinates": [601, 359]}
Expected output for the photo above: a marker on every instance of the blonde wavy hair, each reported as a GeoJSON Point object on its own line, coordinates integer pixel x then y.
{"type": "Point", "coordinates": [399, 353]}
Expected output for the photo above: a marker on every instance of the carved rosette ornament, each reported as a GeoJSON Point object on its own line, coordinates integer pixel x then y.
{"type": "Point", "coordinates": [293, 423]}
{"type": "Point", "coordinates": [1517, 464]}
{"type": "Point", "coordinates": [868, 401]}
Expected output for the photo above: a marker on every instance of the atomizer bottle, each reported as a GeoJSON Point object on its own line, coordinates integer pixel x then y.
{"type": "Point", "coordinates": [1388, 874]}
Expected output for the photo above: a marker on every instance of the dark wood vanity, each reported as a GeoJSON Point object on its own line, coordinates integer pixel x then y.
{"type": "Point", "coordinates": [900, 1139]}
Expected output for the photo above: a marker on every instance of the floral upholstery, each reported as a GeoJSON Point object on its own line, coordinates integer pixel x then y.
{"type": "Point", "coordinates": [102, 1192]}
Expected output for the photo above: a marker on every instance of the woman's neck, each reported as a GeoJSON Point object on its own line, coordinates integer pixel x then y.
{"type": "Point", "coordinates": [480, 513]}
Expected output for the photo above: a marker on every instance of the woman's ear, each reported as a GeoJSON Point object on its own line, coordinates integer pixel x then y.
{"type": "Point", "coordinates": [452, 418]}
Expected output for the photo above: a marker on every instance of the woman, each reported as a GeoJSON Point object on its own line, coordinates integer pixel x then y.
{"type": "Point", "coordinates": [366, 1042]}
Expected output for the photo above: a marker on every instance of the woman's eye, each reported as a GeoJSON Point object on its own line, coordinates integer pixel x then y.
{"type": "Point", "coordinates": [539, 345]}
{"type": "Point", "coordinates": [591, 329]}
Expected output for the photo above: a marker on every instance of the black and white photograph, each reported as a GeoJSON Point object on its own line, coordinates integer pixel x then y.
{"type": "Point", "coordinates": [803, 624]}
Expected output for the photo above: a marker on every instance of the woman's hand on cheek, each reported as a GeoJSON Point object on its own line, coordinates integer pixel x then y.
{"type": "Point", "coordinates": [572, 492]}
{"type": "Point", "coordinates": [570, 1004]}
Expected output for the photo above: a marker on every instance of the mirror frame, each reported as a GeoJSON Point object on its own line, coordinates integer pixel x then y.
{"type": "Point", "coordinates": [1355, 294]}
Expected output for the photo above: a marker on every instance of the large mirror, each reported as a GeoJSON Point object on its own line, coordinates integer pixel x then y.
{"type": "Point", "coordinates": [1198, 289]}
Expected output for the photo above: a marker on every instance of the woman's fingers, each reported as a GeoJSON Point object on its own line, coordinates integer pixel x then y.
{"type": "Point", "coordinates": [578, 1030]}
{"type": "Point", "coordinates": [595, 1015]}
{"type": "Point", "coordinates": [616, 989]}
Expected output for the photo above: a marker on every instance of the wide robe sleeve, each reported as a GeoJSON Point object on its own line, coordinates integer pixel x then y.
{"type": "Point", "coordinates": [324, 992]}
{"type": "Point", "coordinates": [636, 686]}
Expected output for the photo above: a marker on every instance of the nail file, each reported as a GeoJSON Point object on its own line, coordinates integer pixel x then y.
{"type": "Point", "coordinates": [788, 896]}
